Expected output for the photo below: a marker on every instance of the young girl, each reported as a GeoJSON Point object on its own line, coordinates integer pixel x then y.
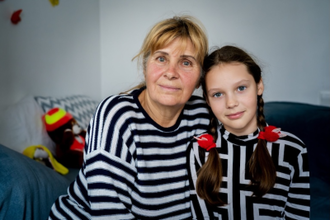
{"type": "Point", "coordinates": [252, 170]}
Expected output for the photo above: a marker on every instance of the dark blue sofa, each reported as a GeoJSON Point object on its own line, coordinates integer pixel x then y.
{"type": "Point", "coordinates": [311, 123]}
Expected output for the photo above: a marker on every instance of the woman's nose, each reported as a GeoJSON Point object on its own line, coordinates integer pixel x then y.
{"type": "Point", "coordinates": [172, 71]}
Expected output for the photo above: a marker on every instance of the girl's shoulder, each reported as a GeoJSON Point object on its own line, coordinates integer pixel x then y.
{"type": "Point", "coordinates": [290, 140]}
{"type": "Point", "coordinates": [275, 134]}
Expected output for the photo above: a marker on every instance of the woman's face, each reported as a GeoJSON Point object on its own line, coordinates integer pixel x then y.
{"type": "Point", "coordinates": [171, 75]}
{"type": "Point", "coordinates": [232, 95]}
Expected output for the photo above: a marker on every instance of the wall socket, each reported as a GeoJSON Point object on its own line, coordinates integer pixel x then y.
{"type": "Point", "coordinates": [324, 98]}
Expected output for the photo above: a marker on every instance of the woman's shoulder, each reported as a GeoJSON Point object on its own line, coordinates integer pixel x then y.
{"type": "Point", "coordinates": [129, 98]}
{"type": "Point", "coordinates": [115, 100]}
{"type": "Point", "coordinates": [114, 107]}
{"type": "Point", "coordinates": [196, 110]}
{"type": "Point", "coordinates": [196, 98]}
{"type": "Point", "coordinates": [111, 116]}
{"type": "Point", "coordinates": [196, 101]}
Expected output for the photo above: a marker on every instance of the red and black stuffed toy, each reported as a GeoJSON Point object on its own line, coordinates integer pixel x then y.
{"type": "Point", "coordinates": [64, 130]}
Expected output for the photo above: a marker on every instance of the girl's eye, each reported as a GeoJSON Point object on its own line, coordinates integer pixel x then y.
{"type": "Point", "coordinates": [241, 88]}
{"type": "Point", "coordinates": [217, 94]}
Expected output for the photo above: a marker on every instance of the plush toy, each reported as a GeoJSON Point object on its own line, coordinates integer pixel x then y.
{"type": "Point", "coordinates": [43, 155]}
{"type": "Point", "coordinates": [64, 130]}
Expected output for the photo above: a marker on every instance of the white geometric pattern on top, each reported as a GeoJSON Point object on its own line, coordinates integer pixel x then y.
{"type": "Point", "coordinates": [81, 107]}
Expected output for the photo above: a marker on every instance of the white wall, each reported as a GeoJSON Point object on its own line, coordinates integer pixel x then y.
{"type": "Point", "coordinates": [290, 38]}
{"type": "Point", "coordinates": [86, 47]}
{"type": "Point", "coordinates": [53, 51]}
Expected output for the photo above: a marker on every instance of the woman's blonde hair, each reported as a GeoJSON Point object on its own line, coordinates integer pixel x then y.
{"type": "Point", "coordinates": [186, 28]}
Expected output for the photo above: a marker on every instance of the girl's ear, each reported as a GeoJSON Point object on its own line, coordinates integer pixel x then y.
{"type": "Point", "coordinates": [260, 87]}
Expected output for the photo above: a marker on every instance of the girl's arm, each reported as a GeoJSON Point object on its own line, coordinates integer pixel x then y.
{"type": "Point", "coordinates": [298, 203]}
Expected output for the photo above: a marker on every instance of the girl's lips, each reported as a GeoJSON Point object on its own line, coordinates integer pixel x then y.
{"type": "Point", "coordinates": [235, 115]}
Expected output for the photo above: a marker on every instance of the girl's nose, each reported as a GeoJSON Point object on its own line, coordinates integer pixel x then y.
{"type": "Point", "coordinates": [231, 101]}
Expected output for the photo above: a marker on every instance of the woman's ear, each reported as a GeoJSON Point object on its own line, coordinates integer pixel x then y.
{"type": "Point", "coordinates": [260, 87]}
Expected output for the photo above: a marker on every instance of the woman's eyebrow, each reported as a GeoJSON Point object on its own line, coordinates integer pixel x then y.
{"type": "Point", "coordinates": [188, 56]}
{"type": "Point", "coordinates": [161, 52]}
{"type": "Point", "coordinates": [182, 56]}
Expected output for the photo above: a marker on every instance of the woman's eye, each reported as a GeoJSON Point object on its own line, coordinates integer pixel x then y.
{"type": "Point", "coordinates": [186, 63]}
{"type": "Point", "coordinates": [241, 88]}
{"type": "Point", "coordinates": [217, 94]}
{"type": "Point", "coordinates": [161, 59]}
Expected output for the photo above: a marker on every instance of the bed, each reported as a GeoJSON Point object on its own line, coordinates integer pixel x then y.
{"type": "Point", "coordinates": [28, 189]}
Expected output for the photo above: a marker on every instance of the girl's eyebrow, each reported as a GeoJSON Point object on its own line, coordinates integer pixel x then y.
{"type": "Point", "coordinates": [214, 89]}
{"type": "Point", "coordinates": [211, 91]}
{"type": "Point", "coordinates": [243, 81]}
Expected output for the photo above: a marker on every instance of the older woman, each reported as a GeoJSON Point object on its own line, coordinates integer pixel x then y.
{"type": "Point", "coordinates": [135, 153]}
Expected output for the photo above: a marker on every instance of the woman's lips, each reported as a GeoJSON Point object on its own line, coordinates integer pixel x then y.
{"type": "Point", "coordinates": [235, 115]}
{"type": "Point", "coordinates": [169, 88]}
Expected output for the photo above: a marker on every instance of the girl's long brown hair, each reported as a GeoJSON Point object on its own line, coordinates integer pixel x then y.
{"type": "Point", "coordinates": [261, 167]}
{"type": "Point", "coordinates": [210, 174]}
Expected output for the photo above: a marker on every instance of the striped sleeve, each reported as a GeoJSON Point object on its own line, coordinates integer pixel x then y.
{"type": "Point", "coordinates": [298, 202]}
{"type": "Point", "coordinates": [105, 181]}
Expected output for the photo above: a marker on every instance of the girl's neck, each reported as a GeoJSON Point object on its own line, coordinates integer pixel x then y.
{"type": "Point", "coordinates": [241, 131]}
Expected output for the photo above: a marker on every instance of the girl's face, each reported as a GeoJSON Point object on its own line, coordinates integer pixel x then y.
{"type": "Point", "coordinates": [172, 75]}
{"type": "Point", "coordinates": [232, 96]}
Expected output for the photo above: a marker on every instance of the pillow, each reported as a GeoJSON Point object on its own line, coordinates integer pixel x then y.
{"type": "Point", "coordinates": [28, 188]}
{"type": "Point", "coordinates": [21, 126]}
{"type": "Point", "coordinates": [81, 107]}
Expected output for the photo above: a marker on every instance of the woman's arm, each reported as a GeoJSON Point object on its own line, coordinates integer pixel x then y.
{"type": "Point", "coordinates": [103, 186]}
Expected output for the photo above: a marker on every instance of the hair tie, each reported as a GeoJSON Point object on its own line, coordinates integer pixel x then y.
{"type": "Point", "coordinates": [271, 134]}
{"type": "Point", "coordinates": [206, 141]}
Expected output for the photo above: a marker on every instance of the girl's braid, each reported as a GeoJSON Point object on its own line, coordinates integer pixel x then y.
{"type": "Point", "coordinates": [262, 169]}
{"type": "Point", "coordinates": [261, 121]}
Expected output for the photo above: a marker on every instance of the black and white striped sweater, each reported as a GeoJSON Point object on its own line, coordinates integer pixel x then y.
{"type": "Point", "coordinates": [133, 168]}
